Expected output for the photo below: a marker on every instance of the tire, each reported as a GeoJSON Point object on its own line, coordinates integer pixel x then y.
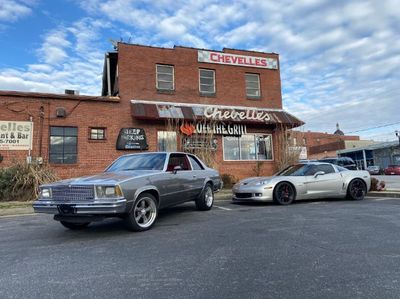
{"type": "Point", "coordinates": [356, 190]}
{"type": "Point", "coordinates": [206, 199]}
{"type": "Point", "coordinates": [144, 213]}
{"type": "Point", "coordinates": [74, 226]}
{"type": "Point", "coordinates": [284, 193]}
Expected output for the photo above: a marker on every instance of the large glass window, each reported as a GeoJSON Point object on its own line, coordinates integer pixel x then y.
{"type": "Point", "coordinates": [207, 81]}
{"type": "Point", "coordinates": [165, 77]}
{"type": "Point", "coordinates": [166, 141]}
{"type": "Point", "coordinates": [253, 85]}
{"type": "Point", "coordinates": [248, 147]}
{"type": "Point", "coordinates": [63, 145]}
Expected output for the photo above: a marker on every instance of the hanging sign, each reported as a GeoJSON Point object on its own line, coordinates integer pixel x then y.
{"type": "Point", "coordinates": [16, 135]}
{"type": "Point", "coordinates": [132, 139]}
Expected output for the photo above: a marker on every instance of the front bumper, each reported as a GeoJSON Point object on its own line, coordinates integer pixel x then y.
{"type": "Point", "coordinates": [252, 193]}
{"type": "Point", "coordinates": [117, 206]}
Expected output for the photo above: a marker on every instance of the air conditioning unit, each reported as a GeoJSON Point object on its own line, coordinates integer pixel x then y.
{"type": "Point", "coordinates": [72, 92]}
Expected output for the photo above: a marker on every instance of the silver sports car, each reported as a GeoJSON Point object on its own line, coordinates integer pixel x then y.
{"type": "Point", "coordinates": [134, 187]}
{"type": "Point", "coordinates": [304, 181]}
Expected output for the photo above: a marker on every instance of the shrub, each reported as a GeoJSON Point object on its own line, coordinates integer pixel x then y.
{"type": "Point", "coordinates": [21, 181]}
{"type": "Point", "coordinates": [374, 184]}
{"type": "Point", "coordinates": [228, 180]}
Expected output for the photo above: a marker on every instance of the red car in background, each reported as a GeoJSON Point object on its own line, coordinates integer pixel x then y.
{"type": "Point", "coordinates": [392, 169]}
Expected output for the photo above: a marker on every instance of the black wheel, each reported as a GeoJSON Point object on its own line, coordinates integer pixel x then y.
{"type": "Point", "coordinates": [74, 226]}
{"type": "Point", "coordinates": [143, 214]}
{"type": "Point", "coordinates": [356, 190]}
{"type": "Point", "coordinates": [206, 198]}
{"type": "Point", "coordinates": [284, 194]}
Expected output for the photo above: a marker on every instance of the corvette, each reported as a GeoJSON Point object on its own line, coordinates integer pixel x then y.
{"type": "Point", "coordinates": [304, 181]}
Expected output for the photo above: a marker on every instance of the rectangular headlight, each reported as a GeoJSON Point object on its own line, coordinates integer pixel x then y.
{"type": "Point", "coordinates": [45, 193]}
{"type": "Point", "coordinates": [108, 192]}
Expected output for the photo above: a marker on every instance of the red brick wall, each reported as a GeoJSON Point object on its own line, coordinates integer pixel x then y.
{"type": "Point", "coordinates": [137, 81]}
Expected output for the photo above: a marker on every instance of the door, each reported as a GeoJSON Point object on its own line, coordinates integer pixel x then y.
{"type": "Point", "coordinates": [328, 184]}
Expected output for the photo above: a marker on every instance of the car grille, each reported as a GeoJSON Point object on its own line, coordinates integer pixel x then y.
{"type": "Point", "coordinates": [72, 193]}
{"type": "Point", "coordinates": [244, 195]}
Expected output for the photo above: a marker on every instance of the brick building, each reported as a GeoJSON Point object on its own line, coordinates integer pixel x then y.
{"type": "Point", "coordinates": [226, 102]}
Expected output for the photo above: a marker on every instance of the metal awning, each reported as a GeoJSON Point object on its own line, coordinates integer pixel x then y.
{"type": "Point", "coordinates": [194, 112]}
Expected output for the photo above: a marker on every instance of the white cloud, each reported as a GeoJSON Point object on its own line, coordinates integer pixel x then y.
{"type": "Point", "coordinates": [11, 10]}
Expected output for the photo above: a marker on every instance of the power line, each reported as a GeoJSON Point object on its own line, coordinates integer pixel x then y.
{"type": "Point", "coordinates": [376, 127]}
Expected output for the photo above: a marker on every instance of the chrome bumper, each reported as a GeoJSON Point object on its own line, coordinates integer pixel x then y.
{"type": "Point", "coordinates": [82, 208]}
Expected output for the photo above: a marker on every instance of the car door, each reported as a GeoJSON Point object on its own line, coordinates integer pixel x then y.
{"type": "Point", "coordinates": [198, 176]}
{"type": "Point", "coordinates": [177, 185]}
{"type": "Point", "coordinates": [324, 185]}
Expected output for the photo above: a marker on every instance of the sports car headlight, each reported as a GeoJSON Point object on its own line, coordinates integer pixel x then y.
{"type": "Point", "coordinates": [262, 182]}
{"type": "Point", "coordinates": [45, 193]}
{"type": "Point", "coordinates": [108, 192]}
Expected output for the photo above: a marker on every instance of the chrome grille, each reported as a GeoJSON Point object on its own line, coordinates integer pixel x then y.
{"type": "Point", "coordinates": [72, 193]}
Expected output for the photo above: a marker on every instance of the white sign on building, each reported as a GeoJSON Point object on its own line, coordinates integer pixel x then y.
{"type": "Point", "coordinates": [16, 135]}
{"type": "Point", "coordinates": [237, 60]}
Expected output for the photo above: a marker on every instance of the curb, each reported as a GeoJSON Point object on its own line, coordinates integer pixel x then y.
{"type": "Point", "coordinates": [384, 194]}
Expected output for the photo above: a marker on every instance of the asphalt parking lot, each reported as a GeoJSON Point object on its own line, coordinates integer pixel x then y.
{"type": "Point", "coordinates": [311, 249]}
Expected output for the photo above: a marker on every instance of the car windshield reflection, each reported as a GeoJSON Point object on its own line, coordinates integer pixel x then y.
{"type": "Point", "coordinates": [294, 170]}
{"type": "Point", "coordinates": [139, 162]}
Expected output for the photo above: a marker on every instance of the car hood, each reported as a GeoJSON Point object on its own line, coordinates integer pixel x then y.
{"type": "Point", "coordinates": [105, 178]}
{"type": "Point", "coordinates": [254, 180]}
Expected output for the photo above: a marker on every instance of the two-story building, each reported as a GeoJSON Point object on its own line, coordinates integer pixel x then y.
{"type": "Point", "coordinates": [225, 106]}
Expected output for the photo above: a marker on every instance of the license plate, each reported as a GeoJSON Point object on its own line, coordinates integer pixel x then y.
{"type": "Point", "coordinates": [66, 209]}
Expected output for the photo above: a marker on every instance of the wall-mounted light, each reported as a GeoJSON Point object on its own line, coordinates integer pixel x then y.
{"type": "Point", "coordinates": [1, 158]}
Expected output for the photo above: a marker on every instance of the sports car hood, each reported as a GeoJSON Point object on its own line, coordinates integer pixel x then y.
{"type": "Point", "coordinates": [105, 178]}
{"type": "Point", "coordinates": [254, 180]}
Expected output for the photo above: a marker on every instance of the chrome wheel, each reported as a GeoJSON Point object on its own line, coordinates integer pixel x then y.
{"type": "Point", "coordinates": [209, 197]}
{"type": "Point", "coordinates": [357, 190]}
{"type": "Point", "coordinates": [145, 212]}
{"type": "Point", "coordinates": [284, 194]}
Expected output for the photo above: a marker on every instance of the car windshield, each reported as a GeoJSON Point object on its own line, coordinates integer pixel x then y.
{"type": "Point", "coordinates": [294, 170]}
{"type": "Point", "coordinates": [154, 161]}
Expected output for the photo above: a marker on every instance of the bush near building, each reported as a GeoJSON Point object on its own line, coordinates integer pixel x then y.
{"type": "Point", "coordinates": [21, 181]}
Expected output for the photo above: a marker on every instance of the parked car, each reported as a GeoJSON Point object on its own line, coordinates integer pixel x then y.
{"type": "Point", "coordinates": [392, 169]}
{"type": "Point", "coordinates": [373, 169]}
{"type": "Point", "coordinates": [304, 181]}
{"type": "Point", "coordinates": [345, 162]}
{"type": "Point", "coordinates": [134, 187]}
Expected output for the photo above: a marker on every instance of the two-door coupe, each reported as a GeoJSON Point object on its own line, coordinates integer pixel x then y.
{"type": "Point", "coordinates": [304, 181]}
{"type": "Point", "coordinates": [134, 187]}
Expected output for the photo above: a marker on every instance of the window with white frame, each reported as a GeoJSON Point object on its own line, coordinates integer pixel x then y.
{"type": "Point", "coordinates": [248, 147]}
{"type": "Point", "coordinates": [166, 141]}
{"type": "Point", "coordinates": [253, 85]}
{"type": "Point", "coordinates": [165, 77]}
{"type": "Point", "coordinates": [207, 81]}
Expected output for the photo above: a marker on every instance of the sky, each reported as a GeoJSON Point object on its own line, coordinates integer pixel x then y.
{"type": "Point", "coordinates": [339, 60]}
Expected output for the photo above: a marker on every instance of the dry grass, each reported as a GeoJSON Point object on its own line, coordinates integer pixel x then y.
{"type": "Point", "coordinates": [21, 181]}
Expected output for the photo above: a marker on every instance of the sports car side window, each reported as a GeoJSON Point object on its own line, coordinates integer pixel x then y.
{"type": "Point", "coordinates": [326, 168]}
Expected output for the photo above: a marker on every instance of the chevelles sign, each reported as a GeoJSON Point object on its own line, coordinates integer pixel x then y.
{"type": "Point", "coordinates": [237, 60]}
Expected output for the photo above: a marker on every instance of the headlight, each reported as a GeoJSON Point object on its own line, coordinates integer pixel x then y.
{"type": "Point", "coordinates": [262, 182]}
{"type": "Point", "coordinates": [45, 193]}
{"type": "Point", "coordinates": [108, 191]}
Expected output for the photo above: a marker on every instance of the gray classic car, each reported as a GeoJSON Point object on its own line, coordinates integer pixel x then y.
{"type": "Point", "coordinates": [304, 181]}
{"type": "Point", "coordinates": [134, 187]}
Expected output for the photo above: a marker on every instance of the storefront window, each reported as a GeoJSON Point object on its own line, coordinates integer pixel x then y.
{"type": "Point", "coordinates": [166, 141]}
{"type": "Point", "coordinates": [248, 147]}
{"type": "Point", "coordinates": [63, 145]}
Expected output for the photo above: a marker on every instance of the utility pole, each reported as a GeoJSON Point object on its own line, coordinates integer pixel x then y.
{"type": "Point", "coordinates": [398, 135]}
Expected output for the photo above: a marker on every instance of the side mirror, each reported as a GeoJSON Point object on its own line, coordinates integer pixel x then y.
{"type": "Point", "coordinates": [176, 168]}
{"type": "Point", "coordinates": [318, 173]}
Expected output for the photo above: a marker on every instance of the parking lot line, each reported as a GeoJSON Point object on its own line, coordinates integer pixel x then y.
{"type": "Point", "coordinates": [222, 208]}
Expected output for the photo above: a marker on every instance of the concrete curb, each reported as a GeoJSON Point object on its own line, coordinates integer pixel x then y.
{"type": "Point", "coordinates": [384, 194]}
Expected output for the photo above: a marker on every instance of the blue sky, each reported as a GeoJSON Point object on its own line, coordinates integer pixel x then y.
{"type": "Point", "coordinates": [340, 60]}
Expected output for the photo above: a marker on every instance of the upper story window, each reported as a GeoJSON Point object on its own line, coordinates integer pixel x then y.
{"type": "Point", "coordinates": [97, 134]}
{"type": "Point", "coordinates": [253, 86]}
{"type": "Point", "coordinates": [207, 81]}
{"type": "Point", "coordinates": [63, 145]}
{"type": "Point", "coordinates": [165, 77]}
